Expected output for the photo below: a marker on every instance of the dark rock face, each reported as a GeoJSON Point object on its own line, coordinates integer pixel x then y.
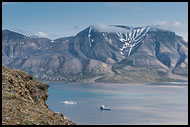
{"type": "Point", "coordinates": [100, 52]}
{"type": "Point", "coordinates": [23, 100]}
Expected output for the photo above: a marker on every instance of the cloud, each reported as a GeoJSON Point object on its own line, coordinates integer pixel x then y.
{"type": "Point", "coordinates": [137, 8]}
{"type": "Point", "coordinates": [172, 26]}
{"type": "Point", "coordinates": [106, 28]}
{"type": "Point", "coordinates": [160, 23]}
{"type": "Point", "coordinates": [41, 34]}
{"type": "Point", "coordinates": [117, 4]}
{"type": "Point", "coordinates": [177, 23]}
{"type": "Point", "coordinates": [175, 26]}
{"type": "Point", "coordinates": [76, 27]}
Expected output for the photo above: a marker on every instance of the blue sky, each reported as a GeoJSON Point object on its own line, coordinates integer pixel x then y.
{"type": "Point", "coordinates": [61, 19]}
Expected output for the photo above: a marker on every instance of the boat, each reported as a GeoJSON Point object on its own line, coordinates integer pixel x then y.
{"type": "Point", "coordinates": [68, 102]}
{"type": "Point", "coordinates": [102, 107]}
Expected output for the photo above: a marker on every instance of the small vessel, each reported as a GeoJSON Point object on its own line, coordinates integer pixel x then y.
{"type": "Point", "coordinates": [102, 107]}
{"type": "Point", "coordinates": [68, 102]}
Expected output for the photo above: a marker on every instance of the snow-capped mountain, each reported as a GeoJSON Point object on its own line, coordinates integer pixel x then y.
{"type": "Point", "coordinates": [107, 53]}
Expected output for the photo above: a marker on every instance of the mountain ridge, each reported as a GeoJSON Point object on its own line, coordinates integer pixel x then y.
{"type": "Point", "coordinates": [97, 53]}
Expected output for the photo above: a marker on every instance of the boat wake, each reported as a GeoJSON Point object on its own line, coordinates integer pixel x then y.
{"type": "Point", "coordinates": [68, 102]}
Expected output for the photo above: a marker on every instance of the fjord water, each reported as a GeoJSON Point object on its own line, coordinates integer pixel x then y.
{"type": "Point", "coordinates": [130, 104]}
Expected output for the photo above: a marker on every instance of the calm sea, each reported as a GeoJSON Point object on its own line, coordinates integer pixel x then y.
{"type": "Point", "coordinates": [130, 104]}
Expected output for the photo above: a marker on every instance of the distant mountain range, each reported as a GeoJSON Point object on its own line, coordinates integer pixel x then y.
{"type": "Point", "coordinates": [101, 53]}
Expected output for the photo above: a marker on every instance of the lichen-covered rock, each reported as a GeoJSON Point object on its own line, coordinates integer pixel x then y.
{"type": "Point", "coordinates": [23, 101]}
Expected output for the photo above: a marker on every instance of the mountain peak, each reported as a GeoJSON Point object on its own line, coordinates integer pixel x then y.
{"type": "Point", "coordinates": [13, 35]}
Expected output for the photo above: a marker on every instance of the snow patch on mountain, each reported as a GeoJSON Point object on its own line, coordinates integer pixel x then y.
{"type": "Point", "coordinates": [89, 35]}
{"type": "Point", "coordinates": [106, 38]}
{"type": "Point", "coordinates": [132, 38]}
{"type": "Point", "coordinates": [128, 35]}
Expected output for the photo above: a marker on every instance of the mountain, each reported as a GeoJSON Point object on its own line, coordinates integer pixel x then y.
{"type": "Point", "coordinates": [23, 101]}
{"type": "Point", "coordinates": [102, 53]}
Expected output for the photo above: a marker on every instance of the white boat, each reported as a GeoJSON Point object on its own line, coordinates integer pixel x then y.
{"type": "Point", "coordinates": [102, 107]}
{"type": "Point", "coordinates": [68, 102]}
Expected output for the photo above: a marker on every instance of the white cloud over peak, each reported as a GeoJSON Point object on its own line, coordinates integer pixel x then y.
{"type": "Point", "coordinates": [161, 23]}
{"type": "Point", "coordinates": [107, 28]}
{"type": "Point", "coordinates": [175, 26]}
{"type": "Point", "coordinates": [41, 34]}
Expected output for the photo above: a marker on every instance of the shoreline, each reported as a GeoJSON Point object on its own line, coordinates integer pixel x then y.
{"type": "Point", "coordinates": [160, 84]}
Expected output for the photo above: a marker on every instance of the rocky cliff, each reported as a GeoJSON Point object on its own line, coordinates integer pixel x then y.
{"type": "Point", "coordinates": [23, 101]}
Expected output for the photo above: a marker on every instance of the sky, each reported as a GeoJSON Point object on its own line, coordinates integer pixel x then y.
{"type": "Point", "coordinates": [61, 19]}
